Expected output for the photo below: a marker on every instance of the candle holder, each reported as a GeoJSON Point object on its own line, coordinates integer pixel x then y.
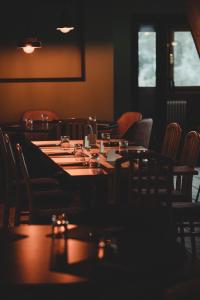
{"type": "Point", "coordinates": [59, 225]}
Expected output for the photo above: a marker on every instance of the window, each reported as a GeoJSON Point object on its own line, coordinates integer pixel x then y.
{"type": "Point", "coordinates": [147, 57]}
{"type": "Point", "coordinates": [186, 67]}
{"type": "Point", "coordinates": [183, 58]}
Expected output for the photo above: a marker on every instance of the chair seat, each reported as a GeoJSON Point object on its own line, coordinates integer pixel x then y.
{"type": "Point", "coordinates": [56, 198]}
{"type": "Point", "coordinates": [45, 183]}
{"type": "Point", "coordinates": [178, 196]}
{"type": "Point", "coordinates": [186, 210]}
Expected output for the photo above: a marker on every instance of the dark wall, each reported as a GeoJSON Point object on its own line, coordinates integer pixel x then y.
{"type": "Point", "coordinates": [122, 17]}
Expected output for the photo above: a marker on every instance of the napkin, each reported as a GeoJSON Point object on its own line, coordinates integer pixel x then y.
{"type": "Point", "coordinates": [112, 155]}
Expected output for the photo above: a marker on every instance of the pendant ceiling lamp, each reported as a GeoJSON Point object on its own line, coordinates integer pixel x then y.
{"type": "Point", "coordinates": [66, 22]}
{"type": "Point", "coordinates": [29, 45]}
{"type": "Point", "coordinates": [28, 40]}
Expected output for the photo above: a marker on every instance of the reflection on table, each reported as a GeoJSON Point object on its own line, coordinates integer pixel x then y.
{"type": "Point", "coordinates": [87, 258]}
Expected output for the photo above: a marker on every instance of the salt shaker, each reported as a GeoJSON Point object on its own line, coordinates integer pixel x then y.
{"type": "Point", "coordinates": [101, 147]}
{"type": "Point", "coordinates": [86, 142]}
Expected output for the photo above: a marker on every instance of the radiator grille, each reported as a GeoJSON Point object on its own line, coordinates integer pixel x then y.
{"type": "Point", "coordinates": [176, 111]}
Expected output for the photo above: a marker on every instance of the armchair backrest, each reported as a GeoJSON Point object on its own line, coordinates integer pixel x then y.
{"type": "Point", "coordinates": [141, 132]}
{"type": "Point", "coordinates": [76, 128]}
{"type": "Point", "coordinates": [191, 149]}
{"type": "Point", "coordinates": [171, 140]}
{"type": "Point", "coordinates": [126, 120]}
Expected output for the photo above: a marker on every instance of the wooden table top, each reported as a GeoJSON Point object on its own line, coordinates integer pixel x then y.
{"type": "Point", "coordinates": [30, 257]}
{"type": "Point", "coordinates": [80, 166]}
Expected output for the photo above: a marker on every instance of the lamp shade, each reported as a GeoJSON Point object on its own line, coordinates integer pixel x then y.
{"type": "Point", "coordinates": [66, 21]}
{"type": "Point", "coordinates": [29, 45]}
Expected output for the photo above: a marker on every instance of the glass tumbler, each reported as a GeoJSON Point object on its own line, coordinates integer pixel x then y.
{"type": "Point", "coordinates": [65, 141]}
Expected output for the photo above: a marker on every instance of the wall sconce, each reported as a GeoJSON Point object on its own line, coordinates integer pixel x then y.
{"type": "Point", "coordinates": [29, 45]}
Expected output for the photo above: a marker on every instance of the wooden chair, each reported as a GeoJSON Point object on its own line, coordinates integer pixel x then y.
{"type": "Point", "coordinates": [43, 202]}
{"type": "Point", "coordinates": [144, 175]}
{"type": "Point", "coordinates": [3, 180]}
{"type": "Point", "coordinates": [141, 132]}
{"type": "Point", "coordinates": [39, 115]}
{"type": "Point", "coordinates": [143, 193]}
{"type": "Point", "coordinates": [188, 157]}
{"type": "Point", "coordinates": [171, 140]}
{"type": "Point", "coordinates": [15, 185]}
{"type": "Point", "coordinates": [187, 218]}
{"type": "Point", "coordinates": [126, 120]}
{"type": "Point", "coordinates": [186, 212]}
{"type": "Point", "coordinates": [76, 128]}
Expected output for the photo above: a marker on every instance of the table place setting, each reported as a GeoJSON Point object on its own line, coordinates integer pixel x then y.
{"type": "Point", "coordinates": [47, 143]}
{"type": "Point", "coordinates": [51, 151]}
{"type": "Point", "coordinates": [70, 160]}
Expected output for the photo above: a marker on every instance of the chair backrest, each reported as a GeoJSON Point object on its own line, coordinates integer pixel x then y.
{"type": "Point", "coordinates": [141, 132]}
{"type": "Point", "coordinates": [3, 178]}
{"type": "Point", "coordinates": [191, 149]}
{"type": "Point", "coordinates": [143, 175]}
{"type": "Point", "coordinates": [76, 128]}
{"type": "Point", "coordinates": [171, 140]}
{"type": "Point", "coordinates": [10, 162]}
{"type": "Point", "coordinates": [25, 175]}
{"type": "Point", "coordinates": [39, 115]}
{"type": "Point", "coordinates": [11, 180]}
{"type": "Point", "coordinates": [3, 161]}
{"type": "Point", "coordinates": [189, 157]}
{"type": "Point", "coordinates": [126, 120]}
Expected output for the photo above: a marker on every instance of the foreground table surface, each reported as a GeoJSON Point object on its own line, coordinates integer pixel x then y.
{"type": "Point", "coordinates": [30, 256]}
{"type": "Point", "coordinates": [27, 258]}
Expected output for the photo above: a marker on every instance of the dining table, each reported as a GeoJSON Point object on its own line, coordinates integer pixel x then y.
{"type": "Point", "coordinates": [92, 165]}
{"type": "Point", "coordinates": [91, 169]}
{"type": "Point", "coordinates": [81, 261]}
{"type": "Point", "coordinates": [91, 161]}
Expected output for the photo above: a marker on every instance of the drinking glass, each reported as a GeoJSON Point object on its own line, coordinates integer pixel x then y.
{"type": "Point", "coordinates": [29, 123]}
{"type": "Point", "coordinates": [45, 121]}
{"type": "Point", "coordinates": [93, 161]}
{"type": "Point", "coordinates": [123, 144]}
{"type": "Point", "coordinates": [78, 153]}
{"type": "Point", "coordinates": [106, 137]}
{"type": "Point", "coordinates": [92, 118]}
{"type": "Point", "coordinates": [65, 141]}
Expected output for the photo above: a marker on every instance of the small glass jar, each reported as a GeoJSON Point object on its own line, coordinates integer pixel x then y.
{"type": "Point", "coordinates": [79, 153]}
{"type": "Point", "coordinates": [59, 225]}
{"type": "Point", "coordinates": [65, 141]}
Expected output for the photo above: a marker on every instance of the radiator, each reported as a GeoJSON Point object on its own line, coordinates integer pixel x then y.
{"type": "Point", "coordinates": [176, 111]}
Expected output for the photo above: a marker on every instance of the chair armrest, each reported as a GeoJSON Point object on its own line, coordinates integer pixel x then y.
{"type": "Point", "coordinates": [184, 170]}
{"type": "Point", "coordinates": [108, 126]}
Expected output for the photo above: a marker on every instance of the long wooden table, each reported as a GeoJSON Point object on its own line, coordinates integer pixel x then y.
{"type": "Point", "coordinates": [94, 178]}
{"type": "Point", "coordinates": [80, 166]}
{"type": "Point", "coordinates": [102, 166]}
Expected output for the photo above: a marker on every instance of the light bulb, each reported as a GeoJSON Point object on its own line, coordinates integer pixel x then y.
{"type": "Point", "coordinates": [28, 49]}
{"type": "Point", "coordinates": [65, 29]}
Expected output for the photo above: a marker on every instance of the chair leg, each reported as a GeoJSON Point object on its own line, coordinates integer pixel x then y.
{"type": "Point", "coordinates": [192, 238]}
{"type": "Point", "coordinates": [181, 233]}
{"type": "Point", "coordinates": [197, 196]}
